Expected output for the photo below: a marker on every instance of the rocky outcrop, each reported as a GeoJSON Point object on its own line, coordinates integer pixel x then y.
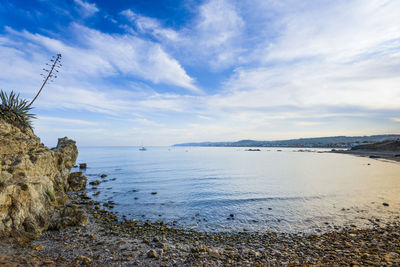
{"type": "Point", "coordinates": [33, 182]}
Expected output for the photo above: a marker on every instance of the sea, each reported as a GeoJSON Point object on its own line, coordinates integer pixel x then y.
{"type": "Point", "coordinates": [225, 189]}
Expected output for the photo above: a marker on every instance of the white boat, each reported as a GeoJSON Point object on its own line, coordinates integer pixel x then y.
{"type": "Point", "coordinates": [142, 148]}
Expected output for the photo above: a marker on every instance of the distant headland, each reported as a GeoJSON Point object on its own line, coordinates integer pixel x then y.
{"type": "Point", "coordinates": [318, 142]}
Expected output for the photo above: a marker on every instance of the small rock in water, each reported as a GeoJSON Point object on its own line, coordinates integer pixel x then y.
{"type": "Point", "coordinates": [82, 165]}
{"type": "Point", "coordinates": [154, 193]}
{"type": "Point", "coordinates": [231, 215]}
{"type": "Point", "coordinates": [96, 182]}
{"type": "Point", "coordinates": [136, 198]}
{"type": "Point", "coordinates": [103, 175]}
{"type": "Point", "coordinates": [84, 196]}
{"type": "Point", "coordinates": [385, 204]}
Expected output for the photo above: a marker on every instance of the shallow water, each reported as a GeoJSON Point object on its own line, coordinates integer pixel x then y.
{"type": "Point", "coordinates": [270, 190]}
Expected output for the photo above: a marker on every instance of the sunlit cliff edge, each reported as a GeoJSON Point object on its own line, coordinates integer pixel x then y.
{"type": "Point", "coordinates": [33, 184]}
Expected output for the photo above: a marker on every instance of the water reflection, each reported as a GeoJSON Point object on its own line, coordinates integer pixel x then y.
{"type": "Point", "coordinates": [265, 190]}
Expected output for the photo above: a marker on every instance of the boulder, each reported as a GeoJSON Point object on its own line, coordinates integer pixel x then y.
{"type": "Point", "coordinates": [76, 181]}
{"type": "Point", "coordinates": [33, 181]}
{"type": "Point", "coordinates": [95, 182]}
{"type": "Point", "coordinates": [68, 215]}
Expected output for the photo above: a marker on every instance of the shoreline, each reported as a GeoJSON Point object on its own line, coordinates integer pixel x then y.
{"type": "Point", "coordinates": [373, 154]}
{"type": "Point", "coordinates": [105, 241]}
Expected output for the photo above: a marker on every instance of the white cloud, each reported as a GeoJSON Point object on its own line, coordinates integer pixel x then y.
{"type": "Point", "coordinates": [99, 54]}
{"type": "Point", "coordinates": [86, 9]}
{"type": "Point", "coordinates": [338, 31]}
{"type": "Point", "coordinates": [144, 121]}
{"type": "Point", "coordinates": [336, 54]}
{"type": "Point", "coordinates": [307, 123]}
{"type": "Point", "coordinates": [310, 84]}
{"type": "Point", "coordinates": [150, 25]}
{"type": "Point", "coordinates": [219, 29]}
{"type": "Point", "coordinates": [66, 120]}
{"type": "Point", "coordinates": [395, 119]}
{"type": "Point", "coordinates": [214, 38]}
{"type": "Point", "coordinates": [204, 117]}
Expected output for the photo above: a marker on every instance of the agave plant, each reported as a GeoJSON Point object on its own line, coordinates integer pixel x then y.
{"type": "Point", "coordinates": [52, 71]}
{"type": "Point", "coordinates": [15, 110]}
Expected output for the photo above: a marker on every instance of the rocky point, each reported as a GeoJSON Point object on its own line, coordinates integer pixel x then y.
{"type": "Point", "coordinates": [33, 184]}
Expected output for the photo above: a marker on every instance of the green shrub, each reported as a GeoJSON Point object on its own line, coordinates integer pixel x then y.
{"type": "Point", "coordinates": [51, 194]}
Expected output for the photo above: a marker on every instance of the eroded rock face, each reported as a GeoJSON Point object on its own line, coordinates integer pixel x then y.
{"type": "Point", "coordinates": [33, 181]}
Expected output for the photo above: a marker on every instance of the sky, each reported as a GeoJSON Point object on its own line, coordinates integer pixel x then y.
{"type": "Point", "coordinates": [171, 71]}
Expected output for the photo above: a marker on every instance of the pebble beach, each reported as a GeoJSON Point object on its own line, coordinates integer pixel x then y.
{"type": "Point", "coordinates": [107, 241]}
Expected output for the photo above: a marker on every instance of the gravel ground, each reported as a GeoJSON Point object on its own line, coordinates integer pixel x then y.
{"type": "Point", "coordinates": [105, 241]}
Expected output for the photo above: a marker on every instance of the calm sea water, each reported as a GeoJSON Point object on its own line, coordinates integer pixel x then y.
{"type": "Point", "coordinates": [270, 190]}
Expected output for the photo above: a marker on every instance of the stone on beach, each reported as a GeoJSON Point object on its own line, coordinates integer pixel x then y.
{"type": "Point", "coordinates": [152, 254]}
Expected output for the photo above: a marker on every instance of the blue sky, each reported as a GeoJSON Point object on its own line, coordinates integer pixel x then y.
{"type": "Point", "coordinates": [165, 72]}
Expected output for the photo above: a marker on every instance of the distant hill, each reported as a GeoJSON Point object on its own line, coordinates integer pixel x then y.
{"type": "Point", "coordinates": [328, 142]}
{"type": "Point", "coordinates": [389, 145]}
